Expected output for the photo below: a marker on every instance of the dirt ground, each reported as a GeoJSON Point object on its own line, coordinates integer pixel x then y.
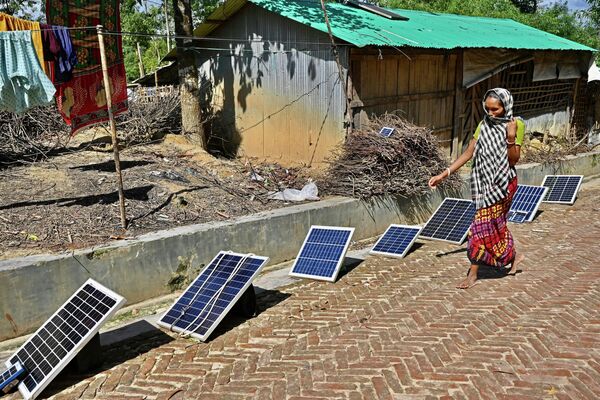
{"type": "Point", "coordinates": [70, 200]}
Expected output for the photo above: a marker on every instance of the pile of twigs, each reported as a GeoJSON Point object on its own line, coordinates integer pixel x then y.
{"type": "Point", "coordinates": [370, 164]}
{"type": "Point", "coordinates": [149, 118]}
{"type": "Point", "coordinates": [32, 134]}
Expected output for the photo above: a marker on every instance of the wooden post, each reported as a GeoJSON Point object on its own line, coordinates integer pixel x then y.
{"type": "Point", "coordinates": [458, 117]}
{"type": "Point", "coordinates": [113, 126]}
{"type": "Point", "coordinates": [167, 25]}
{"type": "Point", "coordinates": [156, 70]}
{"type": "Point", "coordinates": [140, 62]}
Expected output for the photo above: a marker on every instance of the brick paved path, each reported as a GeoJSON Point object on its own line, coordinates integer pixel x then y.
{"type": "Point", "coordinates": [395, 329]}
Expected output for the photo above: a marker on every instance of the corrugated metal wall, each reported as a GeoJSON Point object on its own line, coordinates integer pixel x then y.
{"type": "Point", "coordinates": [274, 87]}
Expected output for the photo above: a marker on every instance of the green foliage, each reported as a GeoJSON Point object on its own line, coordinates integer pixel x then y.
{"type": "Point", "coordinates": [33, 10]}
{"type": "Point", "coordinates": [202, 9]}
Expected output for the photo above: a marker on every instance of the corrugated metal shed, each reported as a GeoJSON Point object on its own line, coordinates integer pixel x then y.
{"type": "Point", "coordinates": [423, 29]}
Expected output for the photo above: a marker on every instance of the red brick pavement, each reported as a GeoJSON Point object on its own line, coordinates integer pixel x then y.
{"type": "Point", "coordinates": [398, 329]}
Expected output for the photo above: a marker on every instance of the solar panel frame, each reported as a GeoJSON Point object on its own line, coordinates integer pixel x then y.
{"type": "Point", "coordinates": [336, 270]}
{"type": "Point", "coordinates": [440, 207]}
{"type": "Point", "coordinates": [415, 231]}
{"type": "Point", "coordinates": [550, 193]}
{"type": "Point", "coordinates": [12, 373]}
{"type": "Point", "coordinates": [221, 255]}
{"type": "Point", "coordinates": [522, 203]}
{"type": "Point", "coordinates": [63, 361]}
{"type": "Point", "coordinates": [387, 131]}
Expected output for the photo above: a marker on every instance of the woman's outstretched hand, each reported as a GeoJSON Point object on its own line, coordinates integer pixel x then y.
{"type": "Point", "coordinates": [436, 180]}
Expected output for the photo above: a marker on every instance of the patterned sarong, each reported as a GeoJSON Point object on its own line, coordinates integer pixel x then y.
{"type": "Point", "coordinates": [489, 240]}
{"type": "Point", "coordinates": [82, 101]}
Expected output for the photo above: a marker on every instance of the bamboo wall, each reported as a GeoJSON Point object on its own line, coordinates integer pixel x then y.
{"type": "Point", "coordinates": [419, 86]}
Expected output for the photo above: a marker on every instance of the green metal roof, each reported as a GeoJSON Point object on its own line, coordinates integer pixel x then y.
{"type": "Point", "coordinates": [423, 29]}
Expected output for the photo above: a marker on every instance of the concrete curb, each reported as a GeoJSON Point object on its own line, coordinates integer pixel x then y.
{"type": "Point", "coordinates": [162, 262]}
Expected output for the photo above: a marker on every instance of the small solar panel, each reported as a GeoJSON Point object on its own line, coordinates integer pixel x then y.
{"type": "Point", "coordinates": [562, 188]}
{"type": "Point", "coordinates": [322, 253]}
{"type": "Point", "coordinates": [386, 131]}
{"type": "Point", "coordinates": [217, 288]}
{"type": "Point", "coordinates": [451, 221]}
{"type": "Point", "coordinates": [525, 203]}
{"type": "Point", "coordinates": [517, 216]}
{"type": "Point", "coordinates": [396, 240]}
{"type": "Point", "coordinates": [11, 374]}
{"type": "Point", "coordinates": [63, 335]}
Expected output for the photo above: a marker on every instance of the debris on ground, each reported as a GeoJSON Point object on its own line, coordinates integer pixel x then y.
{"type": "Point", "coordinates": [70, 200]}
{"type": "Point", "coordinates": [369, 164]}
{"type": "Point", "coordinates": [547, 149]}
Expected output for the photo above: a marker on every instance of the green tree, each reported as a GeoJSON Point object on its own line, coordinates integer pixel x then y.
{"type": "Point", "coordinates": [27, 9]}
{"type": "Point", "coordinates": [135, 18]}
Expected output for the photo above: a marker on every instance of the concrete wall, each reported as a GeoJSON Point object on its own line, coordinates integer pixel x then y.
{"type": "Point", "coordinates": [158, 263]}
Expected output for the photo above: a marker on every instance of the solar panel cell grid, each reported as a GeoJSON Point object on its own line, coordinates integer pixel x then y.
{"type": "Point", "coordinates": [66, 332]}
{"type": "Point", "coordinates": [451, 221]}
{"type": "Point", "coordinates": [396, 241]}
{"type": "Point", "coordinates": [322, 253]}
{"type": "Point", "coordinates": [208, 299]}
{"type": "Point", "coordinates": [562, 188]}
{"type": "Point", "coordinates": [526, 202]}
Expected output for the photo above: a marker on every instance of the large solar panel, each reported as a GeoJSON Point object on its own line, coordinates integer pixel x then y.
{"type": "Point", "coordinates": [451, 221]}
{"type": "Point", "coordinates": [525, 203]}
{"type": "Point", "coordinates": [10, 375]}
{"type": "Point", "coordinates": [562, 188]}
{"type": "Point", "coordinates": [322, 253]}
{"type": "Point", "coordinates": [198, 311]}
{"type": "Point", "coordinates": [66, 332]}
{"type": "Point", "coordinates": [396, 241]}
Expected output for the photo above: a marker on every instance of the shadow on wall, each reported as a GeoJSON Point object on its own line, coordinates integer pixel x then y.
{"type": "Point", "coordinates": [232, 71]}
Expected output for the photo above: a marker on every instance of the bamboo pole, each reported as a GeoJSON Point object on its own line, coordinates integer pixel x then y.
{"type": "Point", "coordinates": [140, 61]}
{"type": "Point", "coordinates": [166, 10]}
{"type": "Point", "coordinates": [113, 126]}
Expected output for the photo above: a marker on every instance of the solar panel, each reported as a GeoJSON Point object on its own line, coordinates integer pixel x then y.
{"type": "Point", "coordinates": [322, 253]}
{"type": "Point", "coordinates": [562, 188]}
{"type": "Point", "coordinates": [517, 216]}
{"type": "Point", "coordinates": [198, 311]}
{"type": "Point", "coordinates": [451, 221]}
{"type": "Point", "coordinates": [525, 203]}
{"type": "Point", "coordinates": [386, 131]}
{"type": "Point", "coordinates": [66, 332]}
{"type": "Point", "coordinates": [396, 240]}
{"type": "Point", "coordinates": [10, 375]}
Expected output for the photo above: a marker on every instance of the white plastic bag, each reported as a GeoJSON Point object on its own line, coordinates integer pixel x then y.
{"type": "Point", "coordinates": [308, 192]}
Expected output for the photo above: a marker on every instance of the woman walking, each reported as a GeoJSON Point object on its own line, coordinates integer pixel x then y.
{"type": "Point", "coordinates": [495, 149]}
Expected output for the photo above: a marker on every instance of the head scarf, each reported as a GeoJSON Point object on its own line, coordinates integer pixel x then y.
{"type": "Point", "coordinates": [491, 171]}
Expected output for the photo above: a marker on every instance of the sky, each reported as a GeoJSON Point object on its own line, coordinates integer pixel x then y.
{"type": "Point", "coordinates": [573, 4]}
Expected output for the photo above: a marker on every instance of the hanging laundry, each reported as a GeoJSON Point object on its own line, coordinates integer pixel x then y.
{"type": "Point", "coordinates": [58, 52]}
{"type": "Point", "coordinates": [67, 58]}
{"type": "Point", "coordinates": [10, 23]}
{"type": "Point", "coordinates": [23, 83]}
{"type": "Point", "coordinates": [82, 100]}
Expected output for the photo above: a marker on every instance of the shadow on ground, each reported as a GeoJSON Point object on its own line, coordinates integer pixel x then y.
{"type": "Point", "coordinates": [145, 337]}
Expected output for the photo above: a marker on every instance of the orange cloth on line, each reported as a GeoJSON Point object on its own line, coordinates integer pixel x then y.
{"type": "Point", "coordinates": [10, 23]}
